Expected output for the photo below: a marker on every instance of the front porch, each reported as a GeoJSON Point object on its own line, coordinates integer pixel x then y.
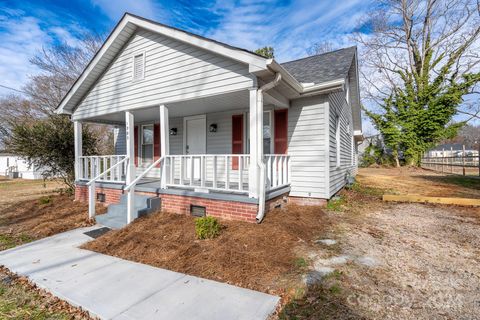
{"type": "Point", "coordinates": [168, 152]}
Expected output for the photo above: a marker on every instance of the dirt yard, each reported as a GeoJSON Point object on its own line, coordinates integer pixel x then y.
{"type": "Point", "coordinates": [14, 190]}
{"type": "Point", "coordinates": [407, 180]}
{"type": "Point", "coordinates": [397, 261]}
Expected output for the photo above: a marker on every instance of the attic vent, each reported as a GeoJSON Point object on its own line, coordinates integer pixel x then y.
{"type": "Point", "coordinates": [138, 66]}
{"type": "Point", "coordinates": [197, 211]}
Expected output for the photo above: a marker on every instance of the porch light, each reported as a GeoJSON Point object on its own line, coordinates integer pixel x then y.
{"type": "Point", "coordinates": [213, 127]}
{"type": "Point", "coordinates": [173, 131]}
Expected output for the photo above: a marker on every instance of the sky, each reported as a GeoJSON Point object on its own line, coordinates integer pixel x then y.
{"type": "Point", "coordinates": [291, 27]}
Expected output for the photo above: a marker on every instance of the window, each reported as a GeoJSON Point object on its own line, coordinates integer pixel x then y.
{"type": "Point", "coordinates": [337, 139]}
{"type": "Point", "coordinates": [352, 161]}
{"type": "Point", "coordinates": [267, 132]}
{"type": "Point", "coordinates": [347, 91]}
{"type": "Point", "coordinates": [147, 143]}
{"type": "Point", "coordinates": [138, 66]}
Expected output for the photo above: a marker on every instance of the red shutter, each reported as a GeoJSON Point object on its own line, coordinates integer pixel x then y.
{"type": "Point", "coordinates": [237, 138]}
{"type": "Point", "coordinates": [156, 142]}
{"type": "Point", "coordinates": [135, 144]}
{"type": "Point", "coordinates": [281, 131]}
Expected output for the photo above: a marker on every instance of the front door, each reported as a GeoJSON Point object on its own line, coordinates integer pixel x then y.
{"type": "Point", "coordinates": [195, 142]}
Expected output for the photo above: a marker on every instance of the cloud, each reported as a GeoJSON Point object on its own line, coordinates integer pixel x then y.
{"type": "Point", "coordinates": [115, 9]}
{"type": "Point", "coordinates": [21, 38]}
{"type": "Point", "coordinates": [291, 28]}
{"type": "Point", "coordinates": [23, 35]}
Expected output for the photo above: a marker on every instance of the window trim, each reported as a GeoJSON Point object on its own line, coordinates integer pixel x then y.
{"type": "Point", "coordinates": [338, 141]}
{"type": "Point", "coordinates": [141, 53]}
{"type": "Point", "coordinates": [347, 90]}
{"type": "Point", "coordinates": [272, 131]}
{"type": "Point", "coordinates": [142, 144]}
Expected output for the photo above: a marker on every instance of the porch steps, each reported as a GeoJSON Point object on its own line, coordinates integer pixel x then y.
{"type": "Point", "coordinates": [116, 216]}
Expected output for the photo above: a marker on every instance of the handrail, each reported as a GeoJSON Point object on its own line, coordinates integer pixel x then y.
{"type": "Point", "coordinates": [209, 155]}
{"type": "Point", "coordinates": [104, 156]}
{"type": "Point", "coordinates": [150, 167]}
{"type": "Point", "coordinates": [106, 171]}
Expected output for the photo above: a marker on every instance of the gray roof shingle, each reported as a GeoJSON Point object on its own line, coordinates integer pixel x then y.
{"type": "Point", "coordinates": [323, 67]}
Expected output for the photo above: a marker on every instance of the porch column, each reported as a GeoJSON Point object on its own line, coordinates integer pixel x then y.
{"type": "Point", "coordinates": [164, 143]}
{"type": "Point", "coordinates": [77, 133]}
{"type": "Point", "coordinates": [130, 137]}
{"type": "Point", "coordinates": [256, 143]}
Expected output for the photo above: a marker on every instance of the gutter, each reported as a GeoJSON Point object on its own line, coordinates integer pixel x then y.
{"type": "Point", "coordinates": [260, 164]}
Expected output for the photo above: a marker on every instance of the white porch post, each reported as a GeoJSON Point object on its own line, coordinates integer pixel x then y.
{"type": "Point", "coordinates": [130, 137]}
{"type": "Point", "coordinates": [164, 143]}
{"type": "Point", "coordinates": [256, 143]}
{"type": "Point", "coordinates": [77, 132]}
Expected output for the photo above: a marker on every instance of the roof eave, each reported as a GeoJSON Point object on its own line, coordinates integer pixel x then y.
{"type": "Point", "coordinates": [210, 45]}
{"type": "Point", "coordinates": [304, 89]}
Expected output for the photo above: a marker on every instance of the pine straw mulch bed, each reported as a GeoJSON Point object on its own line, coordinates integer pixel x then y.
{"type": "Point", "coordinates": [30, 220]}
{"type": "Point", "coordinates": [257, 256]}
{"type": "Point", "coordinates": [21, 299]}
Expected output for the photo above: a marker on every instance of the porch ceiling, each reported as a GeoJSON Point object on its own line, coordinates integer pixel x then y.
{"type": "Point", "coordinates": [225, 102]}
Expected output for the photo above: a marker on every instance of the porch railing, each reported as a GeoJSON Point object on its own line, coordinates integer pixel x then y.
{"type": "Point", "coordinates": [92, 166]}
{"type": "Point", "coordinates": [221, 172]}
{"type": "Point", "coordinates": [216, 172]}
{"type": "Point", "coordinates": [101, 176]}
{"type": "Point", "coordinates": [277, 170]}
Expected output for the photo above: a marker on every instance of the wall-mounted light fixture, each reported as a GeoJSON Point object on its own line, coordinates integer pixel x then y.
{"type": "Point", "coordinates": [173, 131]}
{"type": "Point", "coordinates": [213, 127]}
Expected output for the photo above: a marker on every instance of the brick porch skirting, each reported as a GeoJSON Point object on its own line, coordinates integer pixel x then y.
{"type": "Point", "coordinates": [224, 209]}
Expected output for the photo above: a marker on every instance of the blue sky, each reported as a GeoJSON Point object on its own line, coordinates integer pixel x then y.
{"type": "Point", "coordinates": [291, 27]}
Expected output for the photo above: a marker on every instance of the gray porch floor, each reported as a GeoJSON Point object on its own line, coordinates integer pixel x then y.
{"type": "Point", "coordinates": [113, 288]}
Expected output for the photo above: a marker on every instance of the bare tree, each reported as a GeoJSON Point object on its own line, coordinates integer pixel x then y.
{"type": "Point", "coordinates": [320, 47]}
{"type": "Point", "coordinates": [419, 63]}
{"type": "Point", "coordinates": [60, 64]}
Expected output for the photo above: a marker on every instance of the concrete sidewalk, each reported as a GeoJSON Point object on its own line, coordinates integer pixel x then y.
{"type": "Point", "coordinates": [112, 288]}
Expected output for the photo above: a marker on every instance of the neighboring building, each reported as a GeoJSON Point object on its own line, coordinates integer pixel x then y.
{"type": "Point", "coordinates": [207, 128]}
{"type": "Point", "coordinates": [451, 150]}
{"type": "Point", "coordinates": [15, 167]}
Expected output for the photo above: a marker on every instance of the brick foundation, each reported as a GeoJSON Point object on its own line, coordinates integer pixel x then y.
{"type": "Point", "coordinates": [111, 195]}
{"type": "Point", "coordinates": [230, 210]}
{"type": "Point", "coordinates": [307, 201]}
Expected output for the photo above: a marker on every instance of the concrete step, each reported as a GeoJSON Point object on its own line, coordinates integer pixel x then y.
{"type": "Point", "coordinates": [116, 216]}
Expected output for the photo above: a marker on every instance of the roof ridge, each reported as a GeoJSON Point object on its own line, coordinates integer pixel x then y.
{"type": "Point", "coordinates": [320, 54]}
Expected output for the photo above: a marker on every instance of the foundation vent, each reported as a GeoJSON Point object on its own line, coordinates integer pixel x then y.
{"type": "Point", "coordinates": [198, 211]}
{"type": "Point", "coordinates": [101, 197]}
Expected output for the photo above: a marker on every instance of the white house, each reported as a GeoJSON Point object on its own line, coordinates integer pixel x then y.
{"type": "Point", "coordinates": [12, 165]}
{"type": "Point", "coordinates": [207, 128]}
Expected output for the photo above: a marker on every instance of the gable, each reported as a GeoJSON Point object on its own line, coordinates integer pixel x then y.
{"type": "Point", "coordinates": [174, 71]}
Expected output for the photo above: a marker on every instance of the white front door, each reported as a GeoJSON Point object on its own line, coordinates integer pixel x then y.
{"type": "Point", "coordinates": [195, 142]}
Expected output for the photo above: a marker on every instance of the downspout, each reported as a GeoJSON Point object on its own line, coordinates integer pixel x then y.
{"type": "Point", "coordinates": [260, 164]}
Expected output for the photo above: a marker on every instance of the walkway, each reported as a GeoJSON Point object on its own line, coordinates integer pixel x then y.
{"type": "Point", "coordinates": [112, 288]}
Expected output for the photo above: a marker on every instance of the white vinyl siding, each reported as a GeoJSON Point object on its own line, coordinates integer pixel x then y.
{"type": "Point", "coordinates": [173, 71]}
{"type": "Point", "coordinates": [307, 146]}
{"type": "Point", "coordinates": [343, 155]}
